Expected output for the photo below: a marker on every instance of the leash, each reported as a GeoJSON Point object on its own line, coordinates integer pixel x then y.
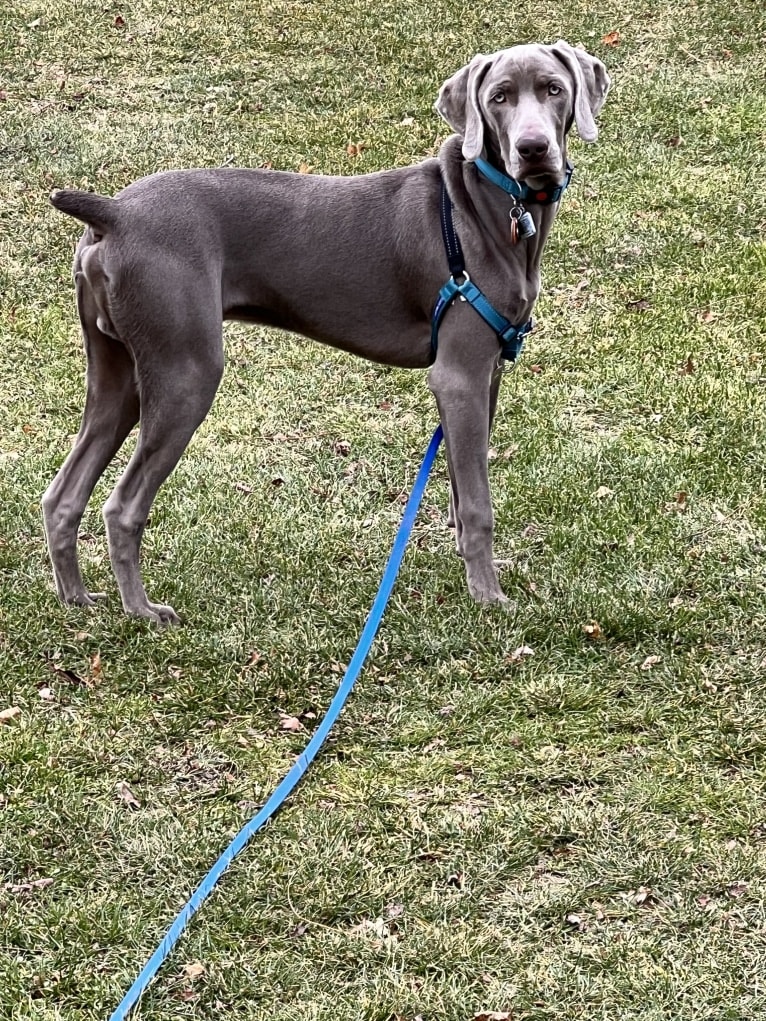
{"type": "Point", "coordinates": [307, 756]}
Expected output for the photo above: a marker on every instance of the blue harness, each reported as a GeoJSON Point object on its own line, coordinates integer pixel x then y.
{"type": "Point", "coordinates": [510, 337]}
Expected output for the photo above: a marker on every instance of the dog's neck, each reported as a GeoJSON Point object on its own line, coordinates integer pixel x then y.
{"type": "Point", "coordinates": [493, 205]}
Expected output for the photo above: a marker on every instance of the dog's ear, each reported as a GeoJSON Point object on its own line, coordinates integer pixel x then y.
{"type": "Point", "coordinates": [591, 83]}
{"type": "Point", "coordinates": [458, 104]}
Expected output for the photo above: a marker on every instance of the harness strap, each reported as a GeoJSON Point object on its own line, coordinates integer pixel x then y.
{"type": "Point", "coordinates": [510, 337]}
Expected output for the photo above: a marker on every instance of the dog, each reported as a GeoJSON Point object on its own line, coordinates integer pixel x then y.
{"type": "Point", "coordinates": [354, 262]}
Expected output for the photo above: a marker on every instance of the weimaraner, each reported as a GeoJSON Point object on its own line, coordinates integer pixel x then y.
{"type": "Point", "coordinates": [355, 262]}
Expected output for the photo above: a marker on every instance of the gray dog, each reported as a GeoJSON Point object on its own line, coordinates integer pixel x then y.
{"type": "Point", "coordinates": [355, 262]}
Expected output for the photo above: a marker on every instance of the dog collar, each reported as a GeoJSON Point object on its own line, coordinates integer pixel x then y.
{"type": "Point", "coordinates": [544, 196]}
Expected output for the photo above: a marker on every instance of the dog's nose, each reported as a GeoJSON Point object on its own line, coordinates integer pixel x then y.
{"type": "Point", "coordinates": [532, 147]}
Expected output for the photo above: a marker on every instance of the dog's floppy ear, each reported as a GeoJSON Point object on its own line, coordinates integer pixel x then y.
{"type": "Point", "coordinates": [591, 83]}
{"type": "Point", "coordinates": [458, 104]}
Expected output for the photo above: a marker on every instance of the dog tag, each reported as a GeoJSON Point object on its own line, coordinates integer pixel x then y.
{"type": "Point", "coordinates": [525, 225]}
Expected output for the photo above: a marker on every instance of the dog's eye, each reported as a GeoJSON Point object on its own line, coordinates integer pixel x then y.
{"type": "Point", "coordinates": [553, 89]}
{"type": "Point", "coordinates": [499, 97]}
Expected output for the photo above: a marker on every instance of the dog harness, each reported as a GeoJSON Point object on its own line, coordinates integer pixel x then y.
{"type": "Point", "coordinates": [510, 337]}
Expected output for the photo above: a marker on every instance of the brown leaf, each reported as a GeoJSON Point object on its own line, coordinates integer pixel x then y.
{"type": "Point", "coordinates": [33, 884]}
{"type": "Point", "coordinates": [688, 367]}
{"type": "Point", "coordinates": [6, 715]}
{"type": "Point", "coordinates": [708, 315]}
{"type": "Point", "coordinates": [602, 492]}
{"type": "Point", "coordinates": [612, 38]}
{"type": "Point", "coordinates": [124, 793]}
{"type": "Point", "coordinates": [291, 723]}
{"type": "Point", "coordinates": [355, 148]}
{"type": "Point", "coordinates": [493, 1015]}
{"type": "Point", "coordinates": [456, 879]}
{"type": "Point", "coordinates": [593, 630]}
{"type": "Point", "coordinates": [119, 21]}
{"type": "Point", "coordinates": [95, 667]}
{"type": "Point", "coordinates": [194, 970]}
{"type": "Point", "coordinates": [738, 889]}
{"type": "Point", "coordinates": [342, 447]}
{"type": "Point", "coordinates": [304, 168]}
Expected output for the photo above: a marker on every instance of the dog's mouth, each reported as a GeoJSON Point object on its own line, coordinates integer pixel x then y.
{"type": "Point", "coordinates": [539, 175]}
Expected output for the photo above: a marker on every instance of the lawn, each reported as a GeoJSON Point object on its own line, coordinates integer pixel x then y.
{"type": "Point", "coordinates": [573, 831]}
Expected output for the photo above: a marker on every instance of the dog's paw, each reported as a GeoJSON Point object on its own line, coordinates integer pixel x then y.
{"type": "Point", "coordinates": [83, 598]}
{"type": "Point", "coordinates": [485, 588]}
{"type": "Point", "coordinates": [157, 613]}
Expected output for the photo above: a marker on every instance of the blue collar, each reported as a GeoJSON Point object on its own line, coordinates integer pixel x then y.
{"type": "Point", "coordinates": [545, 196]}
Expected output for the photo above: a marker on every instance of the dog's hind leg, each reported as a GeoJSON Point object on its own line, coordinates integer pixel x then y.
{"type": "Point", "coordinates": [111, 411]}
{"type": "Point", "coordinates": [178, 379]}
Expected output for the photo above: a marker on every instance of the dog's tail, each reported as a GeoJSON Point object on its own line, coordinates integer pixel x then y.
{"type": "Point", "coordinates": [97, 211]}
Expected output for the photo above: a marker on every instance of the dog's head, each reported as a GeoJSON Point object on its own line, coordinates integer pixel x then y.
{"type": "Point", "coordinates": [517, 106]}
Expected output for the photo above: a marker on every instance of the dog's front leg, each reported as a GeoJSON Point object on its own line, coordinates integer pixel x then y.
{"type": "Point", "coordinates": [463, 381]}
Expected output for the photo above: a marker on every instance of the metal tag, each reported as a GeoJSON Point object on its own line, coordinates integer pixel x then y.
{"type": "Point", "coordinates": [522, 224]}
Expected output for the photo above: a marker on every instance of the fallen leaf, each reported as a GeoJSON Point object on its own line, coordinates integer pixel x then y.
{"type": "Point", "coordinates": [34, 884]}
{"type": "Point", "coordinates": [304, 168]}
{"type": "Point", "coordinates": [651, 661]}
{"type": "Point", "coordinates": [456, 879]}
{"type": "Point", "coordinates": [45, 693]}
{"type": "Point", "coordinates": [406, 122]}
{"type": "Point", "coordinates": [95, 667]}
{"type": "Point", "coordinates": [687, 367]}
{"type": "Point", "coordinates": [644, 895]}
{"type": "Point", "coordinates": [708, 315]}
{"type": "Point", "coordinates": [593, 630]}
{"type": "Point", "coordinates": [291, 723]}
{"type": "Point", "coordinates": [518, 654]}
{"type": "Point", "coordinates": [6, 715]}
{"type": "Point", "coordinates": [602, 492]}
{"type": "Point", "coordinates": [493, 1015]}
{"type": "Point", "coordinates": [574, 919]}
{"type": "Point", "coordinates": [194, 970]}
{"type": "Point", "coordinates": [355, 148]}
{"type": "Point", "coordinates": [342, 447]}
{"type": "Point", "coordinates": [535, 369]}
{"type": "Point", "coordinates": [738, 889]}
{"type": "Point", "coordinates": [639, 305]}
{"type": "Point", "coordinates": [119, 21]}
{"type": "Point", "coordinates": [612, 38]}
{"type": "Point", "coordinates": [124, 793]}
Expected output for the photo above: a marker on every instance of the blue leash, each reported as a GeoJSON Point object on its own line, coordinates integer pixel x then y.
{"type": "Point", "coordinates": [309, 753]}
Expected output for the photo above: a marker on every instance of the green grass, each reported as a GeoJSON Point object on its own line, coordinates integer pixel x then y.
{"type": "Point", "coordinates": [566, 835]}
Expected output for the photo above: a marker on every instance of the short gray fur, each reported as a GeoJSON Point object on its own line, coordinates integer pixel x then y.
{"type": "Point", "coordinates": [355, 262]}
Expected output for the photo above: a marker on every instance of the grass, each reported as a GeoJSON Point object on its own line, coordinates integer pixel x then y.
{"type": "Point", "coordinates": [576, 833]}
